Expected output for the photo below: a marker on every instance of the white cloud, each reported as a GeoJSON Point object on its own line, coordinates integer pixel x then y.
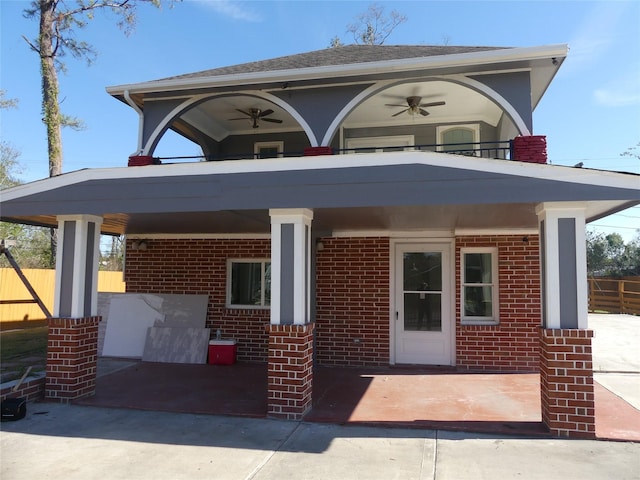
{"type": "Point", "coordinates": [622, 92]}
{"type": "Point", "coordinates": [232, 9]}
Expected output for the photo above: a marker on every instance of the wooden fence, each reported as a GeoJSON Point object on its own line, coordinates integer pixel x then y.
{"type": "Point", "coordinates": [614, 295]}
{"type": "Point", "coordinates": [43, 282]}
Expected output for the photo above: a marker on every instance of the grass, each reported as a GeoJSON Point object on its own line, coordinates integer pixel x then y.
{"type": "Point", "coordinates": [20, 349]}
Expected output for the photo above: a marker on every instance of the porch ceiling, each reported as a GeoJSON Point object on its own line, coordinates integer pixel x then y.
{"type": "Point", "coordinates": [220, 117]}
{"type": "Point", "coordinates": [402, 191]}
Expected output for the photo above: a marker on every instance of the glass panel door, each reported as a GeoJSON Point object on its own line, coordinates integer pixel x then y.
{"type": "Point", "coordinates": [423, 324]}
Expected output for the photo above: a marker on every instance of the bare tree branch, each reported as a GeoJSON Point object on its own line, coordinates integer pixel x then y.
{"type": "Point", "coordinates": [373, 27]}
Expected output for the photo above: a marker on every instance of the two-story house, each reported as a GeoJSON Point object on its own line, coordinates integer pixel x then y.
{"type": "Point", "coordinates": [353, 206]}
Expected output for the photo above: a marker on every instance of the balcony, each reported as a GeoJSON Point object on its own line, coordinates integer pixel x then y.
{"type": "Point", "coordinates": [500, 150]}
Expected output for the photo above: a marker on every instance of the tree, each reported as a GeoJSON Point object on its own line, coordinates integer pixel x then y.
{"type": "Point", "coordinates": [373, 27]}
{"type": "Point", "coordinates": [608, 255]}
{"type": "Point", "coordinates": [56, 38]}
{"type": "Point", "coordinates": [29, 245]}
{"type": "Point", "coordinates": [632, 151]}
{"type": "Point", "coordinates": [8, 155]}
{"type": "Point", "coordinates": [113, 260]}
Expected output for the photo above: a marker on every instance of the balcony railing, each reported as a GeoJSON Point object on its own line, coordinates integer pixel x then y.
{"type": "Point", "coordinates": [502, 150]}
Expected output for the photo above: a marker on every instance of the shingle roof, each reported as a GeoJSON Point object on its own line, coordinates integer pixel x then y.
{"type": "Point", "coordinates": [344, 55]}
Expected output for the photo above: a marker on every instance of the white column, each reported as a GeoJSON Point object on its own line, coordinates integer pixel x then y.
{"type": "Point", "coordinates": [564, 264]}
{"type": "Point", "coordinates": [77, 258]}
{"type": "Point", "coordinates": [290, 265]}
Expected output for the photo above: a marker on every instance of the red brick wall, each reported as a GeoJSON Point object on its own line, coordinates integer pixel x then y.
{"type": "Point", "coordinates": [290, 374]}
{"type": "Point", "coordinates": [513, 345]}
{"type": "Point", "coordinates": [31, 389]}
{"type": "Point", "coordinates": [530, 149]}
{"type": "Point", "coordinates": [352, 295]}
{"type": "Point", "coordinates": [566, 382]}
{"type": "Point", "coordinates": [199, 266]}
{"type": "Point", "coordinates": [352, 298]}
{"type": "Point", "coordinates": [72, 354]}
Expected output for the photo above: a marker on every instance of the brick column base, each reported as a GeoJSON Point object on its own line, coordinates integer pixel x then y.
{"type": "Point", "coordinates": [72, 352]}
{"type": "Point", "coordinates": [531, 149]}
{"type": "Point", "coordinates": [290, 371]}
{"type": "Point", "coordinates": [315, 151]}
{"type": "Point", "coordinates": [566, 382]}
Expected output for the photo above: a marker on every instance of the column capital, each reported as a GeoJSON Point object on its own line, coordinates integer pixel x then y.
{"type": "Point", "coordinates": [80, 218]}
{"type": "Point", "coordinates": [547, 208]}
{"type": "Point", "coordinates": [291, 215]}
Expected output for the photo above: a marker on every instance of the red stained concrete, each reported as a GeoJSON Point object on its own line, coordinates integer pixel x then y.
{"type": "Point", "coordinates": [395, 397]}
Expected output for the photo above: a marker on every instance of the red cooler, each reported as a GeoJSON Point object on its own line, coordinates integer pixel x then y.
{"type": "Point", "coordinates": [222, 352]}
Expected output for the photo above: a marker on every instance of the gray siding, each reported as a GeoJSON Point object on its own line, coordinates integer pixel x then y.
{"type": "Point", "coordinates": [243, 145]}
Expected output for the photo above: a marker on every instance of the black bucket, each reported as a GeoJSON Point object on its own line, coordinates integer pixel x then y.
{"type": "Point", "coordinates": [13, 409]}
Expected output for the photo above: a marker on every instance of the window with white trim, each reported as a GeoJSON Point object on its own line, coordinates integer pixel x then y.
{"type": "Point", "coordinates": [479, 285]}
{"type": "Point", "coordinates": [268, 149]}
{"type": "Point", "coordinates": [379, 144]}
{"type": "Point", "coordinates": [248, 283]}
{"type": "Point", "coordinates": [460, 139]}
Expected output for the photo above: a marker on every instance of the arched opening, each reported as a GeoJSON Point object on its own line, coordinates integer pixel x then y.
{"type": "Point", "coordinates": [227, 127]}
{"type": "Point", "coordinates": [390, 113]}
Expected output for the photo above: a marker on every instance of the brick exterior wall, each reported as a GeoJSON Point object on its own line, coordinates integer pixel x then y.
{"type": "Point", "coordinates": [72, 354]}
{"type": "Point", "coordinates": [31, 389]}
{"type": "Point", "coordinates": [352, 298]}
{"type": "Point", "coordinates": [352, 302]}
{"type": "Point", "coordinates": [290, 371]}
{"type": "Point", "coordinates": [513, 345]}
{"type": "Point", "coordinates": [566, 382]}
{"type": "Point", "coordinates": [199, 266]}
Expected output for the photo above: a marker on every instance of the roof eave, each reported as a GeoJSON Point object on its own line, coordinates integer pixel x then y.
{"type": "Point", "coordinates": [411, 64]}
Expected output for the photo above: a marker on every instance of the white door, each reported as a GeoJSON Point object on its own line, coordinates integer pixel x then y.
{"type": "Point", "coordinates": [423, 318]}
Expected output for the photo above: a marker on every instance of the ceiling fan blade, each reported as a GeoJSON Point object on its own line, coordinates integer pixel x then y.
{"type": "Point", "coordinates": [272, 120]}
{"type": "Point", "coordinates": [242, 111]}
{"type": "Point", "coordinates": [243, 118]}
{"type": "Point", "coordinates": [400, 112]}
{"type": "Point", "coordinates": [433, 104]}
{"type": "Point", "coordinates": [423, 112]}
{"type": "Point", "coordinates": [264, 113]}
{"type": "Point", "coordinates": [394, 105]}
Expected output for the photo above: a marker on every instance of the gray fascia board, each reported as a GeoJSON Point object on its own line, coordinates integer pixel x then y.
{"type": "Point", "coordinates": [375, 186]}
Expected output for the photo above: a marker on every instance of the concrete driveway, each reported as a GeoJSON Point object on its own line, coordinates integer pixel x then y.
{"type": "Point", "coordinates": [616, 355]}
{"type": "Point", "coordinates": [74, 442]}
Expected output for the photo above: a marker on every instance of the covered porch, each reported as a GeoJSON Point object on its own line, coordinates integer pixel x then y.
{"type": "Point", "coordinates": [414, 195]}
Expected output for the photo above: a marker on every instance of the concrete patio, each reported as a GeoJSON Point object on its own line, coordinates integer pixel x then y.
{"type": "Point", "coordinates": [392, 396]}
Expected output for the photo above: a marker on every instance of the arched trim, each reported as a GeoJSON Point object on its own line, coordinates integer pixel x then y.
{"type": "Point", "coordinates": [458, 79]}
{"type": "Point", "coordinates": [163, 126]}
{"type": "Point", "coordinates": [490, 93]}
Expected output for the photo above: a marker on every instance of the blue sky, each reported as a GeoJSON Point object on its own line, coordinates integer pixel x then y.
{"type": "Point", "coordinates": [590, 113]}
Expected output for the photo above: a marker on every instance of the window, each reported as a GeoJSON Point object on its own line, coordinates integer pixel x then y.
{"type": "Point", "coordinates": [379, 144]}
{"type": "Point", "coordinates": [268, 149]}
{"type": "Point", "coordinates": [249, 283]}
{"type": "Point", "coordinates": [460, 139]}
{"type": "Point", "coordinates": [479, 279]}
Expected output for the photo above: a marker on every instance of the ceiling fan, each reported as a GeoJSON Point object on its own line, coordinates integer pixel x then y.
{"type": "Point", "coordinates": [414, 107]}
{"type": "Point", "coordinates": [256, 114]}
